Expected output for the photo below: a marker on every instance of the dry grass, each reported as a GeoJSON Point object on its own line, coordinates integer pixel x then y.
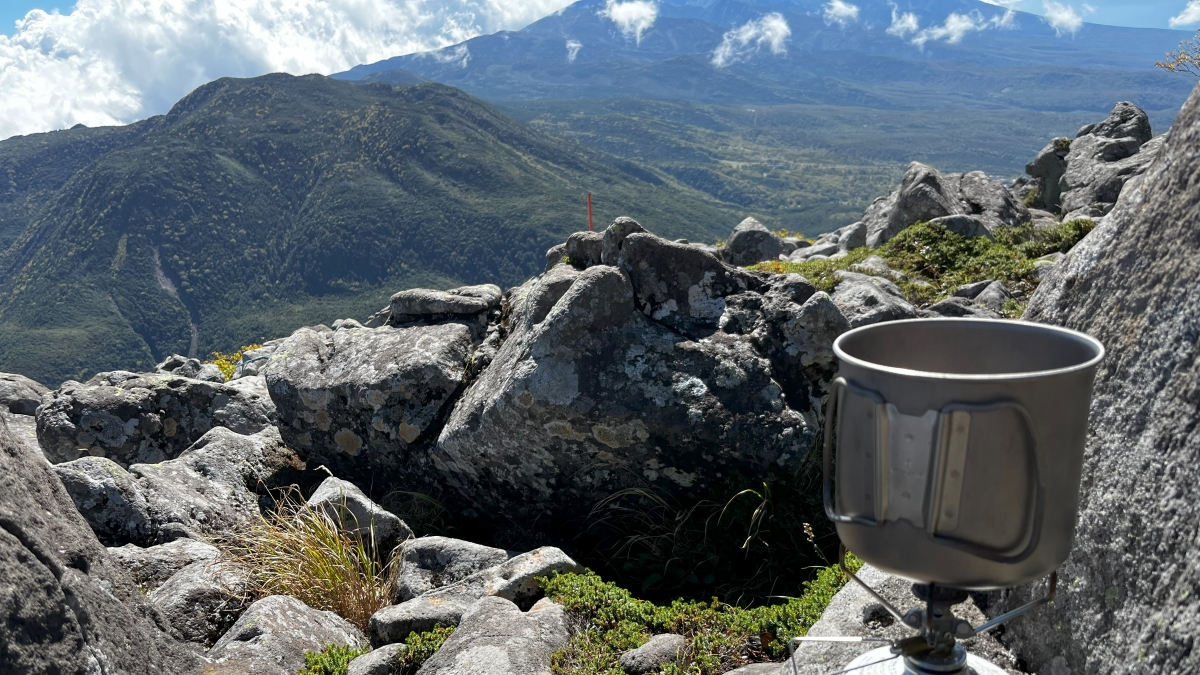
{"type": "Point", "coordinates": [304, 553]}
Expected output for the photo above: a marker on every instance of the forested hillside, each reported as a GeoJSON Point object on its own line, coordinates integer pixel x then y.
{"type": "Point", "coordinates": [259, 205]}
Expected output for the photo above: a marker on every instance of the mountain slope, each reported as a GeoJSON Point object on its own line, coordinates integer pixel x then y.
{"type": "Point", "coordinates": [258, 205]}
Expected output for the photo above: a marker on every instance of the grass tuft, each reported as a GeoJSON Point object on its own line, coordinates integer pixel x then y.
{"type": "Point", "coordinates": [304, 553]}
{"type": "Point", "coordinates": [607, 621]}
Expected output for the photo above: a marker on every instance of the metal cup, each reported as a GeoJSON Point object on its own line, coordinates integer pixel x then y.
{"type": "Point", "coordinates": [959, 447]}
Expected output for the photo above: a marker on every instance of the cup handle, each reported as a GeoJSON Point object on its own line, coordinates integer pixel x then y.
{"type": "Point", "coordinates": [832, 409]}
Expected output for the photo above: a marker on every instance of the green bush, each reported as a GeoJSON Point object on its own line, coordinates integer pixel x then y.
{"type": "Point", "coordinates": [332, 660]}
{"type": "Point", "coordinates": [420, 646]}
{"type": "Point", "coordinates": [720, 636]}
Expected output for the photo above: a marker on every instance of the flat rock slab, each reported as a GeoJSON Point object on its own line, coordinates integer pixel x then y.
{"type": "Point", "coordinates": [150, 567]}
{"type": "Point", "coordinates": [497, 638]}
{"type": "Point", "coordinates": [429, 563]}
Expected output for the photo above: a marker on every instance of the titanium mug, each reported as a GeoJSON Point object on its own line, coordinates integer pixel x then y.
{"type": "Point", "coordinates": [959, 447]}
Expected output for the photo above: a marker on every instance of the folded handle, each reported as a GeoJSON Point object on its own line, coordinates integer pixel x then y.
{"type": "Point", "coordinates": [832, 409]}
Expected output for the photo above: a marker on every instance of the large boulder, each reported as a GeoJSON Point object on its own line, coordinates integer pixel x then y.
{"type": "Point", "coordinates": [360, 400]}
{"type": "Point", "coordinates": [471, 306]}
{"type": "Point", "coordinates": [66, 608]}
{"type": "Point", "coordinates": [926, 194]}
{"type": "Point", "coordinates": [751, 242]}
{"type": "Point", "coordinates": [274, 633]}
{"type": "Point", "coordinates": [151, 566]}
{"type": "Point", "coordinates": [866, 299]}
{"type": "Point", "coordinates": [429, 563]}
{"type": "Point", "coordinates": [1103, 159]}
{"type": "Point", "coordinates": [1130, 591]}
{"type": "Point", "coordinates": [606, 382]}
{"type": "Point", "coordinates": [19, 394]}
{"type": "Point", "coordinates": [1048, 168]}
{"type": "Point", "coordinates": [131, 418]}
{"type": "Point", "coordinates": [214, 486]}
{"type": "Point", "coordinates": [497, 638]}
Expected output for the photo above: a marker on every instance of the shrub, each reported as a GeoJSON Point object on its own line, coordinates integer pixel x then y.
{"type": "Point", "coordinates": [420, 646]}
{"type": "Point", "coordinates": [332, 660]}
{"type": "Point", "coordinates": [608, 621]}
{"type": "Point", "coordinates": [304, 553]}
{"type": "Point", "coordinates": [228, 362]}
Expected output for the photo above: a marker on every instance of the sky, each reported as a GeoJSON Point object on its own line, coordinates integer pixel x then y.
{"type": "Point", "coordinates": [105, 62]}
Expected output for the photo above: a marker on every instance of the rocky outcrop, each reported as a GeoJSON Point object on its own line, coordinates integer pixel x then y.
{"type": "Point", "coordinates": [273, 634]}
{"type": "Point", "coordinates": [211, 488]}
{"type": "Point", "coordinates": [1103, 158]}
{"type": "Point", "coordinates": [360, 400]}
{"type": "Point", "coordinates": [1047, 170]}
{"type": "Point", "coordinates": [343, 502]}
{"type": "Point", "coordinates": [142, 418]}
{"type": "Point", "coordinates": [190, 368]}
{"type": "Point", "coordinates": [1131, 588]}
{"type": "Point", "coordinates": [925, 194]}
{"type": "Point", "coordinates": [617, 377]}
{"type": "Point", "coordinates": [66, 607]}
{"type": "Point", "coordinates": [497, 633]}
{"type": "Point", "coordinates": [19, 399]}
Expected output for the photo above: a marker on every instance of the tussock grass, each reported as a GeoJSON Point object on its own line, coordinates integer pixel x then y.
{"type": "Point", "coordinates": [304, 553]}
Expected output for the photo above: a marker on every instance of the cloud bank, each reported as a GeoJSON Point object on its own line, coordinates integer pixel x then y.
{"type": "Point", "coordinates": [840, 12]}
{"type": "Point", "coordinates": [115, 61]}
{"type": "Point", "coordinates": [1190, 15]}
{"type": "Point", "coordinates": [770, 30]}
{"type": "Point", "coordinates": [633, 18]}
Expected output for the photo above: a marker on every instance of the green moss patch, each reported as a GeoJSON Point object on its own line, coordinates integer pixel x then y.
{"type": "Point", "coordinates": [938, 261]}
{"type": "Point", "coordinates": [609, 621]}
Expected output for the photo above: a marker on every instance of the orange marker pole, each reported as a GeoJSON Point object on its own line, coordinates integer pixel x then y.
{"type": "Point", "coordinates": [589, 212]}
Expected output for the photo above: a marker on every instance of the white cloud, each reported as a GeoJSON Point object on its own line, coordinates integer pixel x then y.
{"type": "Point", "coordinates": [840, 12]}
{"type": "Point", "coordinates": [1007, 20]}
{"type": "Point", "coordinates": [1007, 4]}
{"type": "Point", "coordinates": [1063, 18]}
{"type": "Point", "coordinates": [460, 55]}
{"type": "Point", "coordinates": [1188, 17]}
{"type": "Point", "coordinates": [953, 30]}
{"type": "Point", "coordinates": [903, 24]}
{"type": "Point", "coordinates": [573, 47]}
{"type": "Point", "coordinates": [633, 18]}
{"type": "Point", "coordinates": [770, 30]}
{"type": "Point", "coordinates": [115, 61]}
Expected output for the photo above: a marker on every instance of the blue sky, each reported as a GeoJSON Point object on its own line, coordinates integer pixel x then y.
{"type": "Point", "coordinates": [1144, 13]}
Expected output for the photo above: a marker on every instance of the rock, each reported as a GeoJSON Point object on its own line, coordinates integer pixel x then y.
{"type": "Point", "coordinates": [131, 418]}
{"type": "Point", "coordinates": [382, 661]}
{"type": "Point", "coordinates": [1046, 263]}
{"type": "Point", "coordinates": [554, 256]}
{"type": "Point", "coordinates": [1048, 168]}
{"type": "Point", "coordinates": [346, 324]}
{"type": "Point", "coordinates": [359, 401]}
{"type": "Point", "coordinates": [815, 251]}
{"type": "Point", "coordinates": [751, 242]}
{"type": "Point", "coordinates": [854, 613]}
{"type": "Point", "coordinates": [254, 360]}
{"type": "Point", "coordinates": [190, 368]}
{"type": "Point", "coordinates": [994, 297]}
{"type": "Point", "coordinates": [878, 267]}
{"type": "Point", "coordinates": [614, 236]}
{"type": "Point", "coordinates": [202, 600]}
{"type": "Point", "coordinates": [678, 286]}
{"type": "Point", "coordinates": [218, 483]}
{"type": "Point", "coordinates": [798, 340]}
{"type": "Point", "coordinates": [972, 290]}
{"type": "Point", "coordinates": [955, 307]}
{"type": "Point", "coordinates": [762, 669]}
{"type": "Point", "coordinates": [514, 580]}
{"type": "Point", "coordinates": [1043, 220]}
{"type": "Point", "coordinates": [420, 303]}
{"type": "Point", "coordinates": [865, 300]}
{"type": "Point", "coordinates": [967, 226]}
{"type": "Point", "coordinates": [789, 245]}
{"type": "Point", "coordinates": [19, 394]}
{"type": "Point", "coordinates": [346, 504]}
{"type": "Point", "coordinates": [657, 652]}
{"type": "Point", "coordinates": [24, 429]}
{"type": "Point", "coordinates": [428, 563]}
{"type": "Point", "coordinates": [586, 248]}
{"type": "Point", "coordinates": [925, 194]}
{"type": "Point", "coordinates": [852, 237]}
{"type": "Point", "coordinates": [273, 634]}
{"type": "Point", "coordinates": [1132, 581]}
{"type": "Point", "coordinates": [66, 607]}
{"type": "Point", "coordinates": [589, 396]}
{"type": "Point", "coordinates": [510, 642]}
{"type": "Point", "coordinates": [150, 567]}
{"type": "Point", "coordinates": [1101, 162]}
{"type": "Point", "coordinates": [109, 499]}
